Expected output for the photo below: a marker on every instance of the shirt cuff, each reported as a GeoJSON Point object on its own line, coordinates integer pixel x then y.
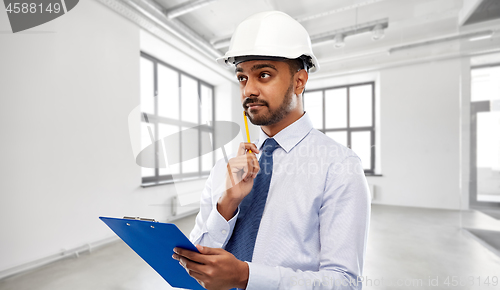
{"type": "Point", "coordinates": [262, 277]}
{"type": "Point", "coordinates": [218, 228]}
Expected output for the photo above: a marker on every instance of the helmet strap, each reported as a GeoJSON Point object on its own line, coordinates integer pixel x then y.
{"type": "Point", "coordinates": [306, 60]}
{"type": "Point", "coordinates": [239, 59]}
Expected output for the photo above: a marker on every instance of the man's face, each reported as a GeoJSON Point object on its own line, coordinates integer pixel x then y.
{"type": "Point", "coordinates": [266, 90]}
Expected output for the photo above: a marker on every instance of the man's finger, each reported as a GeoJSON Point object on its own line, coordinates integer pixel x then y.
{"type": "Point", "coordinates": [256, 166]}
{"type": "Point", "coordinates": [193, 256]}
{"type": "Point", "coordinates": [199, 278]}
{"type": "Point", "coordinates": [249, 167]}
{"type": "Point", "coordinates": [244, 146]}
{"type": "Point", "coordinates": [238, 163]}
{"type": "Point", "coordinates": [191, 266]}
{"type": "Point", "coordinates": [209, 251]}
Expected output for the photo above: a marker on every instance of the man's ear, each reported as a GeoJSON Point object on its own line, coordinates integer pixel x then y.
{"type": "Point", "coordinates": [300, 80]}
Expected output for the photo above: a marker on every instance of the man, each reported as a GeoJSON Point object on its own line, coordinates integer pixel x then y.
{"type": "Point", "coordinates": [294, 212]}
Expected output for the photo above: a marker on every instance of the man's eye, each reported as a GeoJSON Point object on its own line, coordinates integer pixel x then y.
{"type": "Point", "coordinates": [265, 75]}
{"type": "Point", "coordinates": [241, 78]}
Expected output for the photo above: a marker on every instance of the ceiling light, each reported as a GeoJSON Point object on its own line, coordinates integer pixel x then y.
{"type": "Point", "coordinates": [378, 32]}
{"type": "Point", "coordinates": [187, 7]}
{"type": "Point", "coordinates": [338, 41]}
{"type": "Point", "coordinates": [350, 31]}
{"type": "Point", "coordinates": [471, 36]}
{"type": "Point", "coordinates": [480, 37]}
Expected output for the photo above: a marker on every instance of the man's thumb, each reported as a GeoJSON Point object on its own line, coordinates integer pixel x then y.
{"type": "Point", "coordinates": [205, 250]}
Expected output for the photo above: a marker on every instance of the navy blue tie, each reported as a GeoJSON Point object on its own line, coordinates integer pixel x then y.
{"type": "Point", "coordinates": [242, 241]}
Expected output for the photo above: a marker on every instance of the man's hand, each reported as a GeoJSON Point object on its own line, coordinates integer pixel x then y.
{"type": "Point", "coordinates": [242, 170]}
{"type": "Point", "coordinates": [214, 268]}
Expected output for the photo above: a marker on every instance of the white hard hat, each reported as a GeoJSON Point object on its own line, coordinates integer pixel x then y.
{"type": "Point", "coordinates": [270, 34]}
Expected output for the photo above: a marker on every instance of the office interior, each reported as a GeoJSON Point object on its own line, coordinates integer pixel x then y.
{"type": "Point", "coordinates": [413, 87]}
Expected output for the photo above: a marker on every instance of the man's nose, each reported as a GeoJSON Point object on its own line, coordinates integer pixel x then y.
{"type": "Point", "coordinates": [251, 88]}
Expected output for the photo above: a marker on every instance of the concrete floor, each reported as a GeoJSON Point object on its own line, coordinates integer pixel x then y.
{"type": "Point", "coordinates": [406, 246]}
{"type": "Point", "coordinates": [411, 245]}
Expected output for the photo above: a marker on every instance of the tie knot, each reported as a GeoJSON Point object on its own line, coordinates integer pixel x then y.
{"type": "Point", "coordinates": [270, 145]}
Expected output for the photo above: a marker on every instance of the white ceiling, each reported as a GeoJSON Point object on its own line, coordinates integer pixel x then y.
{"type": "Point", "coordinates": [410, 21]}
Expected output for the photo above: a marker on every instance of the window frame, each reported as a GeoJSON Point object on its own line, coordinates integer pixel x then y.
{"type": "Point", "coordinates": [156, 119]}
{"type": "Point", "coordinates": [477, 106]}
{"type": "Point", "coordinates": [349, 129]}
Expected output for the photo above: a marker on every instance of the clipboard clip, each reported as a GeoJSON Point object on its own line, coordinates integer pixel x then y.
{"type": "Point", "coordinates": [139, 218]}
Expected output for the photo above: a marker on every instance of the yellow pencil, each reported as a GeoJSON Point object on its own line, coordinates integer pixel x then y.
{"type": "Point", "coordinates": [246, 127]}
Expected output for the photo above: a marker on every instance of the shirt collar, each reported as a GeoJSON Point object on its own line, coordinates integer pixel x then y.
{"type": "Point", "coordinates": [291, 135]}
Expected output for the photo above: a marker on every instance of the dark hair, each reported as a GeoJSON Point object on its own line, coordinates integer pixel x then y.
{"type": "Point", "coordinates": [295, 65]}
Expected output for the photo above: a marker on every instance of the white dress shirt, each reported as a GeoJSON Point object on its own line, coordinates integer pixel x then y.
{"type": "Point", "coordinates": [314, 228]}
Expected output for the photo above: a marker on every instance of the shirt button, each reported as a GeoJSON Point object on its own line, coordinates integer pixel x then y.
{"type": "Point", "coordinates": [224, 232]}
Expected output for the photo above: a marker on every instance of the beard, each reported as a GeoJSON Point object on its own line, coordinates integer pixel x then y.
{"type": "Point", "coordinates": [273, 116]}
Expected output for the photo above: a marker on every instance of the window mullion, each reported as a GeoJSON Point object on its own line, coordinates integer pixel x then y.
{"type": "Point", "coordinates": [180, 127]}
{"type": "Point", "coordinates": [213, 126]}
{"type": "Point", "coordinates": [199, 130]}
{"type": "Point", "coordinates": [324, 111]}
{"type": "Point", "coordinates": [155, 122]}
{"type": "Point", "coordinates": [348, 117]}
{"type": "Point", "coordinates": [373, 129]}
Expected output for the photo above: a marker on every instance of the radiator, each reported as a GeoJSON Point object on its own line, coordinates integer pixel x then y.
{"type": "Point", "coordinates": [184, 204]}
{"type": "Point", "coordinates": [371, 187]}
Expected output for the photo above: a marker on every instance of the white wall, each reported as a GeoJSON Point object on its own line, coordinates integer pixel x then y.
{"type": "Point", "coordinates": [66, 90]}
{"type": "Point", "coordinates": [418, 133]}
{"type": "Point", "coordinates": [420, 137]}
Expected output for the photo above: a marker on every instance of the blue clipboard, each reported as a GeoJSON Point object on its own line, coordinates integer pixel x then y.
{"type": "Point", "coordinates": [154, 242]}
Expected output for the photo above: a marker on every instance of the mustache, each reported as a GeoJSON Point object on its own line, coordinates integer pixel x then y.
{"type": "Point", "coordinates": [249, 101]}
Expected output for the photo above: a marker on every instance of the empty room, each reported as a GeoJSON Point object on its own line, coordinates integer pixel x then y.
{"type": "Point", "coordinates": [267, 144]}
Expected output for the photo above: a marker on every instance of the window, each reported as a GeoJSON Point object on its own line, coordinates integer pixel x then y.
{"type": "Point", "coordinates": [347, 115]}
{"type": "Point", "coordinates": [485, 136]}
{"type": "Point", "coordinates": [174, 105]}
